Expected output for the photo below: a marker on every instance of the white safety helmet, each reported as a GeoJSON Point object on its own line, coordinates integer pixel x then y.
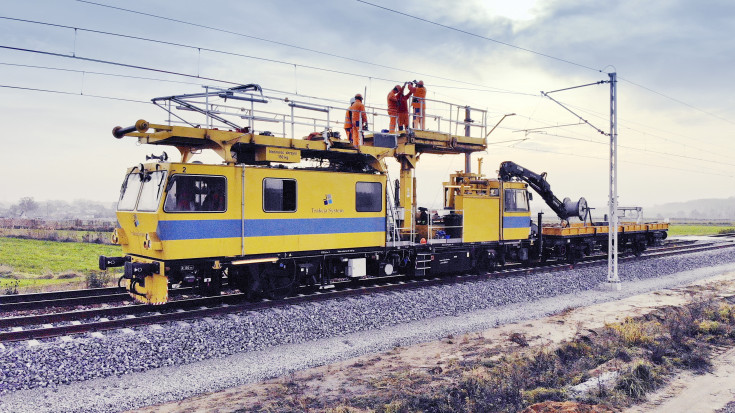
{"type": "Point", "coordinates": [352, 101]}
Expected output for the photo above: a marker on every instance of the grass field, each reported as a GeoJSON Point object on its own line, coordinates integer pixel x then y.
{"type": "Point", "coordinates": [96, 237]}
{"type": "Point", "coordinates": [675, 230]}
{"type": "Point", "coordinates": [28, 263]}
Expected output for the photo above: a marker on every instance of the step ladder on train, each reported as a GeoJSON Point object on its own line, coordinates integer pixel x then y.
{"type": "Point", "coordinates": [392, 233]}
{"type": "Point", "coordinates": [422, 264]}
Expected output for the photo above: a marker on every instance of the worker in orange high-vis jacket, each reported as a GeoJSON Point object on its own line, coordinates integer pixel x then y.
{"type": "Point", "coordinates": [393, 107]}
{"type": "Point", "coordinates": [359, 120]}
{"type": "Point", "coordinates": [348, 121]}
{"type": "Point", "coordinates": [403, 108]}
{"type": "Point", "coordinates": [418, 104]}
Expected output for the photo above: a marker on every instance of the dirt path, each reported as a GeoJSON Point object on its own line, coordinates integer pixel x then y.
{"type": "Point", "coordinates": [686, 393]}
{"type": "Point", "coordinates": [689, 392]}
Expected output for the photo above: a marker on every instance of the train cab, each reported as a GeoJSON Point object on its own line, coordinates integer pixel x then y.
{"type": "Point", "coordinates": [183, 223]}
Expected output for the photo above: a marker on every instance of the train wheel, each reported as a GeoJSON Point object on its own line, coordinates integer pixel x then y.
{"type": "Point", "coordinates": [279, 283]}
{"type": "Point", "coordinates": [481, 264]}
{"type": "Point", "coordinates": [638, 248]}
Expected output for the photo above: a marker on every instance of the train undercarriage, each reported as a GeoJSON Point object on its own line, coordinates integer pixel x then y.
{"type": "Point", "coordinates": [278, 277]}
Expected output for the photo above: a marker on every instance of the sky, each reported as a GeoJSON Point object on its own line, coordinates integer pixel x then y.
{"type": "Point", "coordinates": [674, 60]}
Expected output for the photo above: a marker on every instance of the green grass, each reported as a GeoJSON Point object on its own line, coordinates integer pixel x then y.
{"type": "Point", "coordinates": [34, 257]}
{"type": "Point", "coordinates": [24, 285]}
{"type": "Point", "coordinates": [675, 230]}
{"type": "Point", "coordinates": [96, 237]}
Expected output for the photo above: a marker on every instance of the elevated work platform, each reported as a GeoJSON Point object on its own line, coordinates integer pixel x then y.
{"type": "Point", "coordinates": [244, 135]}
{"type": "Point", "coordinates": [250, 148]}
{"type": "Point", "coordinates": [250, 142]}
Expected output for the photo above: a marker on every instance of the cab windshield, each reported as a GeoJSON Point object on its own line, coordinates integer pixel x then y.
{"type": "Point", "coordinates": [151, 191]}
{"type": "Point", "coordinates": [129, 192]}
{"type": "Point", "coordinates": [143, 192]}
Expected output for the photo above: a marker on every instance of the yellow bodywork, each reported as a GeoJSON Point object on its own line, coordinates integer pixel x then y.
{"type": "Point", "coordinates": [481, 217]}
{"type": "Point", "coordinates": [516, 224]}
{"type": "Point", "coordinates": [591, 229]}
{"type": "Point", "coordinates": [325, 217]}
{"type": "Point", "coordinates": [154, 289]}
{"type": "Point", "coordinates": [481, 202]}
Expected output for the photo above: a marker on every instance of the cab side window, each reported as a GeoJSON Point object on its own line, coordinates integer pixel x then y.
{"type": "Point", "coordinates": [515, 200]}
{"type": "Point", "coordinates": [369, 197]}
{"type": "Point", "coordinates": [196, 193]}
{"type": "Point", "coordinates": [279, 195]}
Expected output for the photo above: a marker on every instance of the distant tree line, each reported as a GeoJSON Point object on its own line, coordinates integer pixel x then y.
{"type": "Point", "coordinates": [29, 208]}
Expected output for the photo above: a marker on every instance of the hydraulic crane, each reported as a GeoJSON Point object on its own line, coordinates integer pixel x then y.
{"type": "Point", "coordinates": [564, 209]}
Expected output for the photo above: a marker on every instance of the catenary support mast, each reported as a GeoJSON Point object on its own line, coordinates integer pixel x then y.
{"type": "Point", "coordinates": [612, 243]}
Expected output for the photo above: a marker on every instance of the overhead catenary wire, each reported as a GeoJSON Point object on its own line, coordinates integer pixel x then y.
{"type": "Point", "coordinates": [321, 52]}
{"type": "Point", "coordinates": [576, 155]}
{"type": "Point", "coordinates": [247, 56]}
{"type": "Point", "coordinates": [61, 92]}
{"type": "Point", "coordinates": [141, 67]}
{"type": "Point", "coordinates": [699, 148]}
{"type": "Point", "coordinates": [91, 72]}
{"type": "Point", "coordinates": [559, 59]}
{"type": "Point", "coordinates": [634, 148]}
{"type": "Point", "coordinates": [623, 122]}
{"type": "Point", "coordinates": [515, 140]}
{"type": "Point", "coordinates": [477, 35]}
{"type": "Point", "coordinates": [498, 90]}
{"type": "Point", "coordinates": [678, 101]}
{"type": "Point", "coordinates": [224, 52]}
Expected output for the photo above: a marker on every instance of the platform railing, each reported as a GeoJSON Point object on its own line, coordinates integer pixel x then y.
{"type": "Point", "coordinates": [300, 117]}
{"type": "Point", "coordinates": [438, 231]}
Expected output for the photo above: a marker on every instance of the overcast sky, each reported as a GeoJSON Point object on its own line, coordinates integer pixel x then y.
{"type": "Point", "coordinates": [674, 60]}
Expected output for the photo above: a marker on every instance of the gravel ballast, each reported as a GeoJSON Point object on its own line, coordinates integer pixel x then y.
{"type": "Point", "coordinates": [177, 360]}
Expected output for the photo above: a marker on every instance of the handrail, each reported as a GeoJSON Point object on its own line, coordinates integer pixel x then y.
{"type": "Point", "coordinates": [216, 107]}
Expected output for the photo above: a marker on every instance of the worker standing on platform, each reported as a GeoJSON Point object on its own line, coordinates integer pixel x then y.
{"type": "Point", "coordinates": [418, 104]}
{"type": "Point", "coordinates": [359, 120]}
{"type": "Point", "coordinates": [348, 121]}
{"type": "Point", "coordinates": [403, 108]}
{"type": "Point", "coordinates": [393, 107]}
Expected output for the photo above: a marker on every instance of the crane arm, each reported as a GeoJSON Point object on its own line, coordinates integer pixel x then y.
{"type": "Point", "coordinates": [563, 209]}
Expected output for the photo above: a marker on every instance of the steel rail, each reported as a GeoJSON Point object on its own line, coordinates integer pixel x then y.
{"type": "Point", "coordinates": [227, 304]}
{"type": "Point", "coordinates": [71, 298]}
{"type": "Point", "coordinates": [56, 295]}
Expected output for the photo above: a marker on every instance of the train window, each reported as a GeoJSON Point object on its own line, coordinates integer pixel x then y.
{"type": "Point", "coordinates": [279, 195]}
{"type": "Point", "coordinates": [369, 197]}
{"type": "Point", "coordinates": [196, 193]}
{"type": "Point", "coordinates": [151, 191]}
{"type": "Point", "coordinates": [515, 200]}
{"type": "Point", "coordinates": [129, 192]}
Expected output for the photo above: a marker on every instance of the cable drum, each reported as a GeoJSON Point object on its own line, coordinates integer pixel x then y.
{"type": "Point", "coordinates": [576, 209]}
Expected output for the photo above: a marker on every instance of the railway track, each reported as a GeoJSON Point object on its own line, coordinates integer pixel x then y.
{"type": "Point", "coordinates": [40, 326]}
{"type": "Point", "coordinates": [69, 298]}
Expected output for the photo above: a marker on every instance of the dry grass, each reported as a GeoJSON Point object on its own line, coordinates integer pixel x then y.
{"type": "Point", "coordinates": [643, 351]}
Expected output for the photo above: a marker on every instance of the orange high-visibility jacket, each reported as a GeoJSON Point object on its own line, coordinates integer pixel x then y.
{"type": "Point", "coordinates": [420, 93]}
{"type": "Point", "coordinates": [392, 102]}
{"type": "Point", "coordinates": [403, 102]}
{"type": "Point", "coordinates": [358, 109]}
{"type": "Point", "coordinates": [348, 119]}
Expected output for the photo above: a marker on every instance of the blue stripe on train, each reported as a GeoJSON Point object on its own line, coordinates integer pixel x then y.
{"type": "Point", "coordinates": [516, 222]}
{"type": "Point", "coordinates": [230, 228]}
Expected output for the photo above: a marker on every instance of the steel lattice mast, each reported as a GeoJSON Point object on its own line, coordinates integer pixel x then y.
{"type": "Point", "coordinates": [612, 244]}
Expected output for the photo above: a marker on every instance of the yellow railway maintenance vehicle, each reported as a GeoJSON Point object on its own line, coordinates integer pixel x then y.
{"type": "Point", "coordinates": [281, 212]}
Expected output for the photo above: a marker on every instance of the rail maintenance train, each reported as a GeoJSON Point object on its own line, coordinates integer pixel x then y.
{"type": "Point", "coordinates": [268, 223]}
